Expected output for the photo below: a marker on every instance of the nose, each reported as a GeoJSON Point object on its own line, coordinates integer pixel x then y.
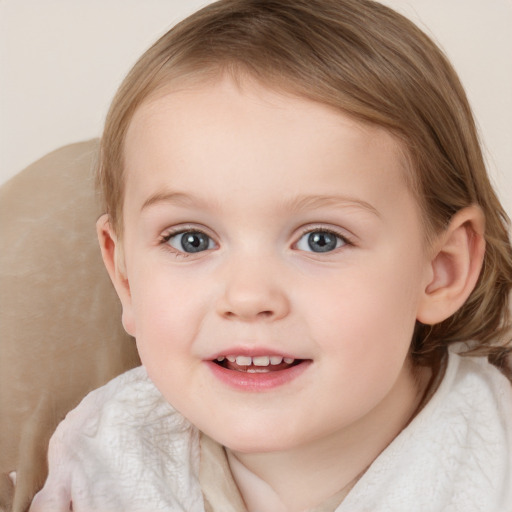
{"type": "Point", "coordinates": [253, 291]}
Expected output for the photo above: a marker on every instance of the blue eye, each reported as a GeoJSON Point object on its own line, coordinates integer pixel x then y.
{"type": "Point", "coordinates": [191, 241]}
{"type": "Point", "coordinates": [320, 241]}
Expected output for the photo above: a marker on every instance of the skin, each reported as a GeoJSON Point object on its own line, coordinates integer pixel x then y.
{"type": "Point", "coordinates": [256, 171]}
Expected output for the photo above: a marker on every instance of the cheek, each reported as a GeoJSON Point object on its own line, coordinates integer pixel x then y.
{"type": "Point", "coordinates": [166, 329]}
{"type": "Point", "coordinates": [367, 313]}
{"type": "Point", "coordinates": [363, 330]}
{"type": "Point", "coordinates": [165, 316]}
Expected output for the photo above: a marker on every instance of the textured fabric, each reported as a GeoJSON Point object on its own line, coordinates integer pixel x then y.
{"type": "Point", "coordinates": [217, 483]}
{"type": "Point", "coordinates": [455, 455]}
{"type": "Point", "coordinates": [60, 319]}
{"type": "Point", "coordinates": [125, 449]}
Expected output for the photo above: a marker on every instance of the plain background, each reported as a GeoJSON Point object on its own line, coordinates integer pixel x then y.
{"type": "Point", "coordinates": [62, 60]}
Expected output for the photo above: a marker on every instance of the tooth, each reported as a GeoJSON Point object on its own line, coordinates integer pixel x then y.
{"type": "Point", "coordinates": [231, 359]}
{"type": "Point", "coordinates": [258, 370]}
{"type": "Point", "coordinates": [243, 360]}
{"type": "Point", "coordinates": [288, 360]}
{"type": "Point", "coordinates": [276, 359]}
{"type": "Point", "coordinates": [220, 358]}
{"type": "Point", "coordinates": [261, 361]}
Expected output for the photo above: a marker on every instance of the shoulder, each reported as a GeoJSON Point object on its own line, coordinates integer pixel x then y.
{"type": "Point", "coordinates": [128, 402]}
{"type": "Point", "coordinates": [455, 455]}
{"type": "Point", "coordinates": [129, 408]}
{"type": "Point", "coordinates": [124, 448]}
{"type": "Point", "coordinates": [479, 395]}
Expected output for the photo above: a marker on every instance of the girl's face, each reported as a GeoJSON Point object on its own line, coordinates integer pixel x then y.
{"type": "Point", "coordinates": [275, 265]}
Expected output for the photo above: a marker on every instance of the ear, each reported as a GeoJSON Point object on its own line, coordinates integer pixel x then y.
{"type": "Point", "coordinates": [113, 257]}
{"type": "Point", "coordinates": [456, 262]}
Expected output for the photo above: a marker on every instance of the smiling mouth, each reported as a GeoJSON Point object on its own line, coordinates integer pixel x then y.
{"type": "Point", "coordinates": [257, 364]}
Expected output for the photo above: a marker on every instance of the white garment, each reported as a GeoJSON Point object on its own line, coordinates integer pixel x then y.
{"type": "Point", "coordinates": [124, 449]}
{"type": "Point", "coordinates": [455, 455]}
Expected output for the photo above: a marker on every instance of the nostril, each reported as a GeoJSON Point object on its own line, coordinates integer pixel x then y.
{"type": "Point", "coordinates": [261, 314]}
{"type": "Point", "coordinates": [252, 304]}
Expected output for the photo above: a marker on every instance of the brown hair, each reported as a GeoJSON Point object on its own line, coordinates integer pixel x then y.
{"type": "Point", "coordinates": [368, 61]}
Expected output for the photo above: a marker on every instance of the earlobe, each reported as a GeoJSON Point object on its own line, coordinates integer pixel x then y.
{"type": "Point", "coordinates": [113, 258]}
{"type": "Point", "coordinates": [455, 266]}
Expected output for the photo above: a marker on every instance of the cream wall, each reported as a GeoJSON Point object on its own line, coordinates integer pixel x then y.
{"type": "Point", "coordinates": [61, 61]}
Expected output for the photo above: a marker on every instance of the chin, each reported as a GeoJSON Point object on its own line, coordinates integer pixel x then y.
{"type": "Point", "coordinates": [253, 440]}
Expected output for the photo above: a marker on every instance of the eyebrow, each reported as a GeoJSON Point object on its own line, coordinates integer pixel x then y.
{"type": "Point", "coordinates": [168, 197]}
{"type": "Point", "coordinates": [311, 202]}
{"type": "Point", "coordinates": [301, 203]}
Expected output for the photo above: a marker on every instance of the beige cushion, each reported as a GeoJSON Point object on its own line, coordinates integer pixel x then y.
{"type": "Point", "coordinates": [60, 329]}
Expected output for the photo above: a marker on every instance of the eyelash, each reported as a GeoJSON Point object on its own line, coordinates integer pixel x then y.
{"type": "Point", "coordinates": [164, 239]}
{"type": "Point", "coordinates": [347, 241]}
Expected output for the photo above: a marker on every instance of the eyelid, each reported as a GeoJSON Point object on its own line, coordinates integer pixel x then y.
{"type": "Point", "coordinates": [342, 233]}
{"type": "Point", "coordinates": [348, 239]}
{"type": "Point", "coordinates": [171, 232]}
{"type": "Point", "coordinates": [183, 228]}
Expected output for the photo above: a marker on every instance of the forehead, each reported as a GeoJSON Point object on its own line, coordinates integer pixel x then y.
{"type": "Point", "coordinates": [226, 135]}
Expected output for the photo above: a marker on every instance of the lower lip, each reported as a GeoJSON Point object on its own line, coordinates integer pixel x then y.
{"type": "Point", "coordinates": [257, 381]}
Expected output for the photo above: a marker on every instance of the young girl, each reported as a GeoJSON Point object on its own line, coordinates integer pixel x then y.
{"type": "Point", "coordinates": [315, 267]}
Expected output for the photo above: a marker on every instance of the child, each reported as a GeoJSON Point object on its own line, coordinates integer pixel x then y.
{"type": "Point", "coordinates": [307, 249]}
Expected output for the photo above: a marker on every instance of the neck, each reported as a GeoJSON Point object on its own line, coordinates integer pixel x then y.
{"type": "Point", "coordinates": [306, 476]}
